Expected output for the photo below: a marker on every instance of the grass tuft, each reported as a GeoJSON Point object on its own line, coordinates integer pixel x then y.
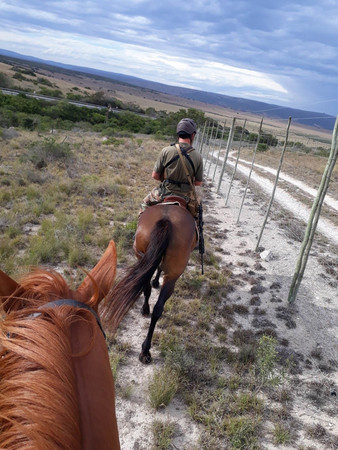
{"type": "Point", "coordinates": [163, 434]}
{"type": "Point", "coordinates": [162, 387]}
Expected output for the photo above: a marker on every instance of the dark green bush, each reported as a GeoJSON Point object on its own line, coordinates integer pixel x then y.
{"type": "Point", "coordinates": [262, 147]}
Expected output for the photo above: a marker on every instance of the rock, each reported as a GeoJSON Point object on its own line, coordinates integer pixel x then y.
{"type": "Point", "coordinates": [266, 255]}
{"type": "Point", "coordinates": [9, 133]}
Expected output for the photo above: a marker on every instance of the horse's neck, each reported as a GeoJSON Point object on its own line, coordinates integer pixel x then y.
{"type": "Point", "coordinates": [95, 388]}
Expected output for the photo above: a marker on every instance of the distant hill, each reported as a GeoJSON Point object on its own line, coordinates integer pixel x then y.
{"type": "Point", "coordinates": [309, 118]}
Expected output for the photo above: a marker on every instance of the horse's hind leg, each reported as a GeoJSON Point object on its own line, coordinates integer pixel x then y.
{"type": "Point", "coordinates": [166, 291]}
{"type": "Point", "coordinates": [156, 283]}
{"type": "Point", "coordinates": [145, 310]}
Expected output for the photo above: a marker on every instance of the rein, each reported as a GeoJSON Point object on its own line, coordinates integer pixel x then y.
{"type": "Point", "coordinates": [74, 303]}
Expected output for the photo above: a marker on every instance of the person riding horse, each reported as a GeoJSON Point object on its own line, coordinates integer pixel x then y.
{"type": "Point", "coordinates": [178, 173]}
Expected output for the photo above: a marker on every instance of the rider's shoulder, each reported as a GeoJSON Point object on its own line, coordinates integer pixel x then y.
{"type": "Point", "coordinates": [169, 149]}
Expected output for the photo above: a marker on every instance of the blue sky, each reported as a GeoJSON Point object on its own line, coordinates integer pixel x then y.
{"type": "Point", "coordinates": [281, 52]}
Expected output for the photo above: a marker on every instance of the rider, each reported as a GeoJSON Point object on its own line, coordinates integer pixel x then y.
{"type": "Point", "coordinates": [170, 172]}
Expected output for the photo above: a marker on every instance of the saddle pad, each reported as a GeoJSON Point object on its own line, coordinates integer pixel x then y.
{"type": "Point", "coordinates": [174, 200]}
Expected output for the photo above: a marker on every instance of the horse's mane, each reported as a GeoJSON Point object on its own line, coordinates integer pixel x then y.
{"type": "Point", "coordinates": [38, 393]}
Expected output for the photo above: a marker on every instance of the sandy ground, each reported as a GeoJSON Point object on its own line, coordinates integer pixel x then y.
{"type": "Point", "coordinates": [310, 326]}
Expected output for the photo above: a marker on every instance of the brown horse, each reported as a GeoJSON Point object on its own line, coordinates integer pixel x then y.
{"type": "Point", "coordinates": [165, 237]}
{"type": "Point", "coordinates": [56, 384]}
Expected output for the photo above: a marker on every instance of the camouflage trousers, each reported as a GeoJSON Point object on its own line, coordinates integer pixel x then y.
{"type": "Point", "coordinates": [155, 196]}
{"type": "Point", "coordinates": [158, 194]}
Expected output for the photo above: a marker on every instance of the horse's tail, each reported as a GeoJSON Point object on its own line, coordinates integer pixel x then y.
{"type": "Point", "coordinates": [124, 294]}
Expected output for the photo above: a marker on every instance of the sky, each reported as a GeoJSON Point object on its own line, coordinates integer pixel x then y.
{"type": "Point", "coordinates": [279, 52]}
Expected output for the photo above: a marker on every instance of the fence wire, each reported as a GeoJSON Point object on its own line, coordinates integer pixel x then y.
{"type": "Point", "coordinates": [240, 150]}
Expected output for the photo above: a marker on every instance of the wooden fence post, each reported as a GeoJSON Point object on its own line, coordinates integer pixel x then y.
{"type": "Point", "coordinates": [213, 147]}
{"type": "Point", "coordinates": [252, 164]}
{"type": "Point", "coordinates": [209, 143]}
{"type": "Point", "coordinates": [219, 150]}
{"type": "Point", "coordinates": [275, 185]}
{"type": "Point", "coordinates": [314, 217]}
{"type": "Point", "coordinates": [230, 137]}
{"type": "Point", "coordinates": [201, 141]}
{"type": "Point", "coordinates": [235, 168]}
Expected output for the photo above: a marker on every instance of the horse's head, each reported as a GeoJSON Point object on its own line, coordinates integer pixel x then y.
{"type": "Point", "coordinates": [41, 286]}
{"type": "Point", "coordinates": [56, 383]}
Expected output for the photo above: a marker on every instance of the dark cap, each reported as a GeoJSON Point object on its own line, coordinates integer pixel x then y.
{"type": "Point", "coordinates": [187, 125]}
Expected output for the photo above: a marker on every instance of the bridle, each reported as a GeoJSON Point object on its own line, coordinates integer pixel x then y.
{"type": "Point", "coordinates": [74, 303]}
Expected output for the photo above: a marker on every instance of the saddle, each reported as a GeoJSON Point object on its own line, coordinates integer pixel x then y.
{"type": "Point", "coordinates": [175, 200]}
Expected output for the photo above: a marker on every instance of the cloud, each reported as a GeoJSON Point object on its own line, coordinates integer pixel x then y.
{"type": "Point", "coordinates": [132, 20]}
{"type": "Point", "coordinates": [133, 59]}
{"type": "Point", "coordinates": [280, 49]}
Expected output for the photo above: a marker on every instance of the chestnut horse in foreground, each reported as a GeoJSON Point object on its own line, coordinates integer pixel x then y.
{"type": "Point", "coordinates": [56, 384]}
{"type": "Point", "coordinates": [165, 237]}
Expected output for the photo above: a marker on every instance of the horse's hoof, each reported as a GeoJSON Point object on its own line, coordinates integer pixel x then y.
{"type": "Point", "coordinates": [145, 359]}
{"type": "Point", "coordinates": [145, 311]}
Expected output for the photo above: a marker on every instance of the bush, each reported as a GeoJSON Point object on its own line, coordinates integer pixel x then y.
{"type": "Point", "coordinates": [45, 81]}
{"type": "Point", "coordinates": [49, 150]}
{"type": "Point", "coordinates": [5, 81]}
{"type": "Point", "coordinates": [19, 76]}
{"type": "Point", "coordinates": [51, 92]}
{"type": "Point", "coordinates": [262, 147]}
{"type": "Point", "coordinates": [72, 96]}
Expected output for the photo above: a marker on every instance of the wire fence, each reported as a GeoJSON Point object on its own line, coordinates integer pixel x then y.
{"type": "Point", "coordinates": [230, 149]}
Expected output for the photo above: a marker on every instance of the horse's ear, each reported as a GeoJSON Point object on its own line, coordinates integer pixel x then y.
{"type": "Point", "coordinates": [103, 274]}
{"type": "Point", "coordinates": [7, 286]}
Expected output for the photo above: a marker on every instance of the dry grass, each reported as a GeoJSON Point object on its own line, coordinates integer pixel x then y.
{"type": "Point", "coordinates": [93, 195]}
{"type": "Point", "coordinates": [307, 168]}
{"type": "Point", "coordinates": [66, 212]}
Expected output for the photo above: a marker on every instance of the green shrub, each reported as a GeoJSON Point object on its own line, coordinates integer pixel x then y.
{"type": "Point", "coordinates": [262, 147]}
{"type": "Point", "coordinates": [242, 433]}
{"type": "Point", "coordinates": [44, 81]}
{"type": "Point", "coordinates": [78, 256]}
{"type": "Point", "coordinates": [281, 434]}
{"type": "Point", "coordinates": [113, 141]}
{"type": "Point", "coordinates": [19, 76]}
{"type": "Point", "coordinates": [5, 197]}
{"type": "Point", "coordinates": [49, 149]}
{"type": "Point", "coordinates": [5, 81]}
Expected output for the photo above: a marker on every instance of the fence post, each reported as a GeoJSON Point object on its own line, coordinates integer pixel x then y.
{"type": "Point", "coordinates": [209, 143]}
{"type": "Point", "coordinates": [230, 137]}
{"type": "Point", "coordinates": [314, 217]}
{"type": "Point", "coordinates": [275, 185]}
{"type": "Point", "coordinates": [201, 141]}
{"type": "Point", "coordinates": [213, 148]}
{"type": "Point", "coordinates": [219, 150]}
{"type": "Point", "coordinates": [235, 168]}
{"type": "Point", "coordinates": [252, 164]}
